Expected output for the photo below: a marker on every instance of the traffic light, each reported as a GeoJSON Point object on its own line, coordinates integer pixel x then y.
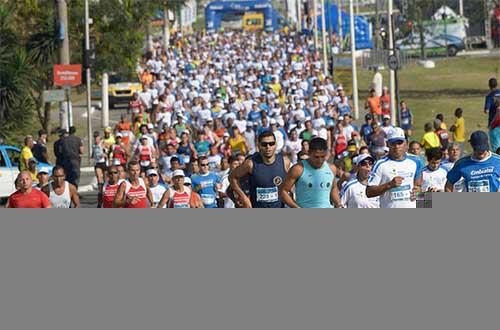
{"type": "Point", "coordinates": [89, 56]}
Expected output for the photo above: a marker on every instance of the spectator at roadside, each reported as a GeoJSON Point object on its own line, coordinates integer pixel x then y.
{"type": "Point", "coordinates": [72, 149]}
{"type": "Point", "coordinates": [39, 150]}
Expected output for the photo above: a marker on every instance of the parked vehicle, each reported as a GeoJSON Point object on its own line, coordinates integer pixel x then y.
{"type": "Point", "coordinates": [9, 169]}
{"type": "Point", "coordinates": [120, 90]}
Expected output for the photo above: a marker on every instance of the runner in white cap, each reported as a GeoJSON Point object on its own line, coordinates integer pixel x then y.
{"type": "Point", "coordinates": [43, 178]}
{"type": "Point", "coordinates": [395, 177]}
{"type": "Point", "coordinates": [157, 189]}
{"type": "Point", "coordinates": [177, 196]}
{"type": "Point", "coordinates": [353, 194]}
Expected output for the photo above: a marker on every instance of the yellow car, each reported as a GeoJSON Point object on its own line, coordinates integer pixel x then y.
{"type": "Point", "coordinates": [120, 90]}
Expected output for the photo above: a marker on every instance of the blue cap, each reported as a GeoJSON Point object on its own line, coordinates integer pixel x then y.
{"type": "Point", "coordinates": [479, 141]}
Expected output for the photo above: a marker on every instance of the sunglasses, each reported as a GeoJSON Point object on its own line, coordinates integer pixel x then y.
{"type": "Point", "coordinates": [113, 172]}
{"type": "Point", "coordinates": [267, 144]}
{"type": "Point", "coordinates": [204, 164]}
{"type": "Point", "coordinates": [366, 163]}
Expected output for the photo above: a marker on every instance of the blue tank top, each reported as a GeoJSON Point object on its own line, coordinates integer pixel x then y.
{"type": "Point", "coordinates": [312, 189]}
{"type": "Point", "coordinates": [184, 153]}
{"type": "Point", "coordinates": [264, 182]}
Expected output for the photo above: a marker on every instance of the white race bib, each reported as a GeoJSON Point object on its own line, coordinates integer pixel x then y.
{"type": "Point", "coordinates": [186, 159]}
{"type": "Point", "coordinates": [479, 186]}
{"type": "Point", "coordinates": [401, 194]}
{"type": "Point", "coordinates": [208, 199]}
{"type": "Point", "coordinates": [267, 195]}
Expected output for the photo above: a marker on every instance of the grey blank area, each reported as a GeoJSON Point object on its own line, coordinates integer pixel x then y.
{"type": "Point", "coordinates": [253, 269]}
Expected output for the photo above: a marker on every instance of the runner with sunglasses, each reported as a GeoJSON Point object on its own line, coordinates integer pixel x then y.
{"type": "Point", "coordinates": [265, 170]}
{"type": "Point", "coordinates": [314, 180]}
{"type": "Point", "coordinates": [110, 188]}
{"type": "Point", "coordinates": [396, 178]}
{"type": "Point", "coordinates": [206, 184]}
{"type": "Point", "coordinates": [353, 194]}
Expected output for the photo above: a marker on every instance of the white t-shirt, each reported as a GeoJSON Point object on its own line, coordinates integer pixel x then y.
{"type": "Point", "coordinates": [384, 170]}
{"type": "Point", "coordinates": [435, 179]}
{"type": "Point", "coordinates": [353, 195]}
{"type": "Point", "coordinates": [228, 203]}
{"type": "Point", "coordinates": [158, 192]}
{"type": "Point", "coordinates": [293, 148]}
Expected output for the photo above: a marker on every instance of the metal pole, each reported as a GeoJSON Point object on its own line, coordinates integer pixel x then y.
{"type": "Point", "coordinates": [299, 15]}
{"type": "Point", "coordinates": [392, 80]}
{"type": "Point", "coordinates": [323, 34]}
{"type": "Point", "coordinates": [166, 29]}
{"type": "Point", "coordinates": [339, 22]}
{"type": "Point", "coordinates": [67, 89]}
{"type": "Point", "coordinates": [487, 24]}
{"type": "Point", "coordinates": [105, 101]}
{"type": "Point", "coordinates": [461, 8]}
{"type": "Point", "coordinates": [396, 85]}
{"type": "Point", "coordinates": [353, 57]}
{"type": "Point", "coordinates": [89, 82]}
{"type": "Point", "coordinates": [315, 25]}
{"type": "Point", "coordinates": [64, 58]}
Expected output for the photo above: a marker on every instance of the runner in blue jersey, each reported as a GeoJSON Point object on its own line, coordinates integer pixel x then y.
{"type": "Point", "coordinates": [314, 180]}
{"type": "Point", "coordinates": [397, 177]}
{"type": "Point", "coordinates": [480, 171]}
{"type": "Point", "coordinates": [206, 184]}
{"type": "Point", "coordinates": [266, 171]}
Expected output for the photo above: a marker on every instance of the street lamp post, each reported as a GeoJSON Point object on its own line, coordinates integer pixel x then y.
{"type": "Point", "coordinates": [353, 58]}
{"type": "Point", "coordinates": [89, 83]}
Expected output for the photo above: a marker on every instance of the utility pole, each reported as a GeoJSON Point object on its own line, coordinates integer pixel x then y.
{"type": "Point", "coordinates": [487, 23]}
{"type": "Point", "coordinates": [89, 82]}
{"type": "Point", "coordinates": [166, 29]}
{"type": "Point", "coordinates": [65, 116]}
{"type": "Point", "coordinates": [315, 25]}
{"type": "Point", "coordinates": [339, 22]}
{"type": "Point", "coordinates": [353, 58]}
{"type": "Point", "coordinates": [323, 35]}
{"type": "Point", "coordinates": [392, 77]}
{"type": "Point", "coordinates": [299, 15]}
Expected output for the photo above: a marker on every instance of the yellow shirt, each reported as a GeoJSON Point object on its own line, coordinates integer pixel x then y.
{"type": "Point", "coordinates": [276, 88]}
{"type": "Point", "coordinates": [26, 154]}
{"type": "Point", "coordinates": [459, 134]}
{"type": "Point", "coordinates": [430, 140]}
{"type": "Point", "coordinates": [238, 145]}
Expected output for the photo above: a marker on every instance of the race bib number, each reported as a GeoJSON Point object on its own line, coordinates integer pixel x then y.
{"type": "Point", "coordinates": [208, 199]}
{"type": "Point", "coordinates": [401, 194]}
{"type": "Point", "coordinates": [479, 186]}
{"type": "Point", "coordinates": [267, 195]}
{"type": "Point", "coordinates": [186, 159]}
{"type": "Point", "coordinates": [405, 121]}
{"type": "Point", "coordinates": [145, 163]}
{"type": "Point", "coordinates": [181, 206]}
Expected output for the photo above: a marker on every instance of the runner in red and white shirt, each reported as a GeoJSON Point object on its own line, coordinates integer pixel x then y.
{"type": "Point", "coordinates": [134, 192]}
{"type": "Point", "coordinates": [26, 196]}
{"type": "Point", "coordinates": [144, 154]}
{"type": "Point", "coordinates": [178, 196]}
{"type": "Point", "coordinates": [110, 188]}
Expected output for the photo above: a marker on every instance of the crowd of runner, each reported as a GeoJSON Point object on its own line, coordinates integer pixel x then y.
{"type": "Point", "coordinates": [250, 120]}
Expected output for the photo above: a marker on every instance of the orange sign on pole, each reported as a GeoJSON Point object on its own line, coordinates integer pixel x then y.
{"type": "Point", "coordinates": [67, 75]}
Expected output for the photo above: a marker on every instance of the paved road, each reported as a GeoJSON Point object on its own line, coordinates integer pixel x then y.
{"type": "Point", "coordinates": [88, 200]}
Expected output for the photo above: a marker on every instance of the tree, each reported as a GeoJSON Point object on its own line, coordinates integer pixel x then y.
{"type": "Point", "coordinates": [16, 104]}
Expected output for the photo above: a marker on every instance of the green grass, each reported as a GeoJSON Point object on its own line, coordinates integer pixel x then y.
{"type": "Point", "coordinates": [455, 82]}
